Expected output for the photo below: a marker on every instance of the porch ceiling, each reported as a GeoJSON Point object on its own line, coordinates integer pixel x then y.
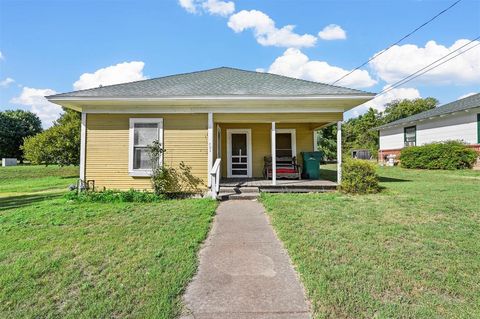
{"type": "Point", "coordinates": [318, 118]}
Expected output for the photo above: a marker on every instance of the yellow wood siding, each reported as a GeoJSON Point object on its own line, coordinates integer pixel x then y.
{"type": "Point", "coordinates": [261, 139]}
{"type": "Point", "coordinates": [185, 139]}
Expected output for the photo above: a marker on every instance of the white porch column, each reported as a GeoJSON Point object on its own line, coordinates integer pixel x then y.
{"type": "Point", "coordinates": [274, 155]}
{"type": "Point", "coordinates": [339, 152]}
{"type": "Point", "coordinates": [83, 143]}
{"type": "Point", "coordinates": [210, 147]}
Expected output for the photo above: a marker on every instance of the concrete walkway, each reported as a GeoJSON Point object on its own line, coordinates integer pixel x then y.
{"type": "Point", "coordinates": [244, 270]}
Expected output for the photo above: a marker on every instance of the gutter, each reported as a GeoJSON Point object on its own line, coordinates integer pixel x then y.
{"type": "Point", "coordinates": [53, 98]}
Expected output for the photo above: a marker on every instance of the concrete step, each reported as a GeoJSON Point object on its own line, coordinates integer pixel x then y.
{"type": "Point", "coordinates": [234, 196]}
{"type": "Point", "coordinates": [238, 190]}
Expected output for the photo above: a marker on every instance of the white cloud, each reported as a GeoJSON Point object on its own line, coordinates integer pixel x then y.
{"type": "Point", "coordinates": [332, 32]}
{"type": "Point", "coordinates": [35, 99]}
{"type": "Point", "coordinates": [390, 96]}
{"type": "Point", "coordinates": [401, 61]}
{"type": "Point", "coordinates": [265, 31]}
{"type": "Point", "coordinates": [2, 57]}
{"type": "Point", "coordinates": [217, 7]}
{"type": "Point", "coordinates": [466, 95]}
{"type": "Point", "coordinates": [119, 73]}
{"type": "Point", "coordinates": [213, 7]}
{"type": "Point", "coordinates": [6, 83]}
{"type": "Point", "coordinates": [296, 64]}
{"type": "Point", "coordinates": [188, 5]}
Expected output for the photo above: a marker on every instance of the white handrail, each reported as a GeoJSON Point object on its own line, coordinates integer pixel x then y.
{"type": "Point", "coordinates": [215, 174]}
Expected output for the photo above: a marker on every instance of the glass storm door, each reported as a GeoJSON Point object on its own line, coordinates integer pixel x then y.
{"type": "Point", "coordinates": [239, 154]}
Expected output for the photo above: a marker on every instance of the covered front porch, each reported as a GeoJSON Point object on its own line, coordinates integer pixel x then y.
{"type": "Point", "coordinates": [263, 151]}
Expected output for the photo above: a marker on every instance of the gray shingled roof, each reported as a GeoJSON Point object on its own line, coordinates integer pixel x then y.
{"type": "Point", "coordinates": [467, 103]}
{"type": "Point", "coordinates": [215, 82]}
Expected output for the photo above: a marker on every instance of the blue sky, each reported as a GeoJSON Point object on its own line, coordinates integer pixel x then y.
{"type": "Point", "coordinates": [46, 46]}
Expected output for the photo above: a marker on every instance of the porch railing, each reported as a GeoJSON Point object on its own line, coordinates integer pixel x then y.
{"type": "Point", "coordinates": [215, 173]}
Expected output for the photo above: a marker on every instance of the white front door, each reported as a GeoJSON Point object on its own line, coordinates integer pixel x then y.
{"type": "Point", "coordinates": [239, 153]}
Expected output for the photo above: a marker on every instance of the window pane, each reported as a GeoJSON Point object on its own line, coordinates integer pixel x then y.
{"type": "Point", "coordinates": [284, 141]}
{"type": "Point", "coordinates": [410, 132]}
{"type": "Point", "coordinates": [283, 144]}
{"type": "Point", "coordinates": [239, 144]}
{"type": "Point", "coordinates": [284, 153]}
{"type": "Point", "coordinates": [145, 133]}
{"type": "Point", "coordinates": [239, 172]}
{"type": "Point", "coordinates": [410, 136]}
{"type": "Point", "coordinates": [141, 158]}
{"type": "Point", "coordinates": [239, 165]}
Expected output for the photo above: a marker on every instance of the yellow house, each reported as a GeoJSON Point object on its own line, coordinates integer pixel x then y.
{"type": "Point", "coordinates": [220, 122]}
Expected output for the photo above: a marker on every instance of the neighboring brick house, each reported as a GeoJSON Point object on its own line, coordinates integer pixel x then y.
{"type": "Point", "coordinates": [458, 120]}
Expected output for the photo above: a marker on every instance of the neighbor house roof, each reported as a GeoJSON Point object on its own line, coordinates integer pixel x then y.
{"type": "Point", "coordinates": [219, 82]}
{"type": "Point", "coordinates": [470, 102]}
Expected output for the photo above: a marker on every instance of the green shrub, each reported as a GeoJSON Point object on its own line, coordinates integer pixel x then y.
{"type": "Point", "coordinates": [173, 182]}
{"type": "Point", "coordinates": [169, 181]}
{"type": "Point", "coordinates": [445, 155]}
{"type": "Point", "coordinates": [359, 177]}
{"type": "Point", "coordinates": [115, 196]}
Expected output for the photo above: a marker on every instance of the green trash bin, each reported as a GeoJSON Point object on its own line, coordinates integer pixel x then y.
{"type": "Point", "coordinates": [311, 165]}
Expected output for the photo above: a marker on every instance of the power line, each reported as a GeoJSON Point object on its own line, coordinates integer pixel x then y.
{"type": "Point", "coordinates": [403, 38]}
{"type": "Point", "coordinates": [417, 73]}
{"type": "Point", "coordinates": [429, 67]}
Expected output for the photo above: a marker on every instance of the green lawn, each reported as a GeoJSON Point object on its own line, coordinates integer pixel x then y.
{"type": "Point", "coordinates": [61, 259]}
{"type": "Point", "coordinates": [23, 185]}
{"type": "Point", "coordinates": [412, 251]}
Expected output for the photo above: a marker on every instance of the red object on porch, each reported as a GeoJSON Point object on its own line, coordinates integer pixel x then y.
{"type": "Point", "coordinates": [286, 170]}
{"type": "Point", "coordinates": [287, 167]}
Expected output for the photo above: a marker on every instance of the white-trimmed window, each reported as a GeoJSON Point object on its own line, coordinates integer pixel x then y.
{"type": "Point", "coordinates": [142, 133]}
{"type": "Point", "coordinates": [410, 135]}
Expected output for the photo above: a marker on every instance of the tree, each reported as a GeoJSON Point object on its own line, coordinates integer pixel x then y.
{"type": "Point", "coordinates": [400, 109]}
{"type": "Point", "coordinates": [60, 144]}
{"type": "Point", "coordinates": [327, 142]}
{"type": "Point", "coordinates": [358, 133]}
{"type": "Point", "coordinates": [15, 125]}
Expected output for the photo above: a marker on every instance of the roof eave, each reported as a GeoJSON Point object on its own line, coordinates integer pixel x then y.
{"type": "Point", "coordinates": [369, 96]}
{"type": "Point", "coordinates": [335, 103]}
{"type": "Point", "coordinates": [432, 117]}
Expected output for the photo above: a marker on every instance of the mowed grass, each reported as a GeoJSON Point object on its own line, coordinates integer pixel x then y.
{"type": "Point", "coordinates": [63, 259]}
{"type": "Point", "coordinates": [25, 184]}
{"type": "Point", "coordinates": [412, 251]}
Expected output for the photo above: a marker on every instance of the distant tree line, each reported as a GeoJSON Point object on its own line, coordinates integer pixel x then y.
{"type": "Point", "coordinates": [22, 137]}
{"type": "Point", "coordinates": [15, 125]}
{"type": "Point", "coordinates": [357, 132]}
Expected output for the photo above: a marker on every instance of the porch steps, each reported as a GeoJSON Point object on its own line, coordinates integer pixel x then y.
{"type": "Point", "coordinates": [229, 192]}
{"type": "Point", "coordinates": [252, 192]}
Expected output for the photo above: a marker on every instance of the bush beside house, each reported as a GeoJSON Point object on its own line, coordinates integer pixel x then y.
{"type": "Point", "coordinates": [169, 181]}
{"type": "Point", "coordinates": [359, 177]}
{"type": "Point", "coordinates": [445, 155]}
